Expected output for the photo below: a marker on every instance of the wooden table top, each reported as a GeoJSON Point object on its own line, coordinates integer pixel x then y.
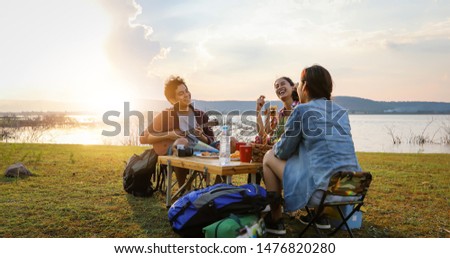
{"type": "Point", "coordinates": [211, 164]}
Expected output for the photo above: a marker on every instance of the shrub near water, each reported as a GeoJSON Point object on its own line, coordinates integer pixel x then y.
{"type": "Point", "coordinates": [76, 191]}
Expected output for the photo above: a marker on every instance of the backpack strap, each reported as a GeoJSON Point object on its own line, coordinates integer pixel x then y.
{"type": "Point", "coordinates": [208, 197]}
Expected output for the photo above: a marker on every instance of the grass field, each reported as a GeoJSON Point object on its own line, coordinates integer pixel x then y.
{"type": "Point", "coordinates": [76, 191]}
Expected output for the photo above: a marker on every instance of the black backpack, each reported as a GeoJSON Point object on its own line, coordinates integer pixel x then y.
{"type": "Point", "coordinates": [138, 172]}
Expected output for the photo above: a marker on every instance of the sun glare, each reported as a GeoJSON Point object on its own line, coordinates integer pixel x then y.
{"type": "Point", "coordinates": [97, 84]}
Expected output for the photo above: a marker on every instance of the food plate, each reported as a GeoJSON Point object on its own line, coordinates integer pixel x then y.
{"type": "Point", "coordinates": [209, 155]}
{"type": "Point", "coordinates": [213, 156]}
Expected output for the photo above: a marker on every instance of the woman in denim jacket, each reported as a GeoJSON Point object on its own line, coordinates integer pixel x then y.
{"type": "Point", "coordinates": [316, 143]}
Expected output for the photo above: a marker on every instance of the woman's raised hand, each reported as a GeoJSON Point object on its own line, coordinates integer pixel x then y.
{"type": "Point", "coordinates": [260, 103]}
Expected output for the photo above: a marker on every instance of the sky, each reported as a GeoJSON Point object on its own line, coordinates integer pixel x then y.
{"type": "Point", "coordinates": [104, 51]}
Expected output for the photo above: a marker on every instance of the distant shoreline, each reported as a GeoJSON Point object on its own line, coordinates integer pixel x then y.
{"type": "Point", "coordinates": [74, 113]}
{"type": "Point", "coordinates": [150, 146]}
{"type": "Point", "coordinates": [355, 105]}
{"type": "Point", "coordinates": [388, 114]}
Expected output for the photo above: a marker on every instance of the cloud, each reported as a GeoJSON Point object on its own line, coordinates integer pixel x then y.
{"type": "Point", "coordinates": [429, 37]}
{"type": "Point", "coordinates": [238, 43]}
{"type": "Point", "coordinates": [424, 27]}
{"type": "Point", "coordinates": [131, 49]}
{"type": "Point", "coordinates": [105, 49]}
{"type": "Point", "coordinates": [235, 43]}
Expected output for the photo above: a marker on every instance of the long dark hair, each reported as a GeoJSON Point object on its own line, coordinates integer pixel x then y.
{"type": "Point", "coordinates": [319, 82]}
{"type": "Point", "coordinates": [294, 93]}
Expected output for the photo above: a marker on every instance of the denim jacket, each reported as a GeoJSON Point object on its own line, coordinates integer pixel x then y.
{"type": "Point", "coordinates": [316, 143]}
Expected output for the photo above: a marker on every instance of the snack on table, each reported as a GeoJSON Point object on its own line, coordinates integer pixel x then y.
{"type": "Point", "coordinates": [209, 154]}
{"type": "Point", "coordinates": [236, 154]}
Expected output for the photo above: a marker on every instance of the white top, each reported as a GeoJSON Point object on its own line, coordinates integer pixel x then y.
{"type": "Point", "coordinates": [187, 122]}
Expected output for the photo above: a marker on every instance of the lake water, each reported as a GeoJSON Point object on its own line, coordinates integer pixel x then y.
{"type": "Point", "coordinates": [371, 133]}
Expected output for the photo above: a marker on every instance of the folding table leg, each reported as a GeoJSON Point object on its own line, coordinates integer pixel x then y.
{"type": "Point", "coordinates": [187, 185]}
{"type": "Point", "coordinates": [253, 178]}
{"type": "Point", "coordinates": [169, 184]}
{"type": "Point", "coordinates": [207, 176]}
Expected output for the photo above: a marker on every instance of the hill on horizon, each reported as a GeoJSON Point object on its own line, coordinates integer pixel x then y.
{"type": "Point", "coordinates": [355, 105]}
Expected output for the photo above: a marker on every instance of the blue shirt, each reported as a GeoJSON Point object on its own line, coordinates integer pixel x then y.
{"type": "Point", "coordinates": [316, 143]}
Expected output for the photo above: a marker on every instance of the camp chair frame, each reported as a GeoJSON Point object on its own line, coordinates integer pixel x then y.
{"type": "Point", "coordinates": [345, 184]}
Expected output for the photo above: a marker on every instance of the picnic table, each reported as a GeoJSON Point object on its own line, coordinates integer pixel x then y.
{"type": "Point", "coordinates": [206, 166]}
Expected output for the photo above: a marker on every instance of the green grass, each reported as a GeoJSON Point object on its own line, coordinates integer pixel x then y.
{"type": "Point", "coordinates": [76, 191]}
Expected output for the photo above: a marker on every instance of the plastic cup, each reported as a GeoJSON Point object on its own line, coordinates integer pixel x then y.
{"type": "Point", "coordinates": [246, 153]}
{"type": "Point", "coordinates": [239, 144]}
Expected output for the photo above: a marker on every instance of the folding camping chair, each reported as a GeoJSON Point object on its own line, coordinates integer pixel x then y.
{"type": "Point", "coordinates": [353, 187]}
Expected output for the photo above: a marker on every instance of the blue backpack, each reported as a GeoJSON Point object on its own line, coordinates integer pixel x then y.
{"type": "Point", "coordinates": [200, 208]}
